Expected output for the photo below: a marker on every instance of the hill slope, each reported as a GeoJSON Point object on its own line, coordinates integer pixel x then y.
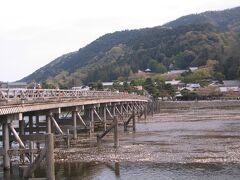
{"type": "Point", "coordinates": [176, 45]}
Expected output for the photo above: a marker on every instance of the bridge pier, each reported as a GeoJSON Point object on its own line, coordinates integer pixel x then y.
{"type": "Point", "coordinates": [21, 126]}
{"type": "Point", "coordinates": [113, 126]}
{"type": "Point", "coordinates": [91, 126]}
{"type": "Point", "coordinates": [50, 157]}
{"type": "Point", "coordinates": [30, 123]}
{"type": "Point", "coordinates": [121, 111]}
{"type": "Point", "coordinates": [49, 123]}
{"type": "Point", "coordinates": [74, 119]}
{"type": "Point", "coordinates": [127, 108]}
{"type": "Point", "coordinates": [133, 118]}
{"type": "Point", "coordinates": [114, 109]}
{"type": "Point", "coordinates": [37, 129]}
{"type": "Point", "coordinates": [105, 116]}
{"type": "Point", "coordinates": [134, 122]}
{"type": "Point", "coordinates": [30, 143]}
{"type": "Point", "coordinates": [145, 112]}
{"type": "Point", "coordinates": [6, 157]}
{"type": "Point", "coordinates": [116, 139]}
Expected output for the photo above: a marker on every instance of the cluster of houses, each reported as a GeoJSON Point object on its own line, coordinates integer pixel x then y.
{"type": "Point", "coordinates": [224, 87]}
{"type": "Point", "coordinates": [106, 86]}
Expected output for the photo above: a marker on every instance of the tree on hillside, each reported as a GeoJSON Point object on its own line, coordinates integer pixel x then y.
{"type": "Point", "coordinates": [157, 67]}
{"type": "Point", "coordinates": [46, 85]}
{"type": "Point", "coordinates": [161, 90]}
{"type": "Point", "coordinates": [149, 86]}
{"type": "Point", "coordinates": [97, 86]}
{"type": "Point", "coordinates": [171, 91]}
{"type": "Point", "coordinates": [184, 59]}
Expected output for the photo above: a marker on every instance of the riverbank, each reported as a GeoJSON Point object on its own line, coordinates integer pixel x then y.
{"type": "Point", "coordinates": [210, 104]}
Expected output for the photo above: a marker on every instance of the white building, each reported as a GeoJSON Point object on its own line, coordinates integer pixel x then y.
{"type": "Point", "coordinates": [193, 68]}
{"type": "Point", "coordinates": [176, 72]}
{"type": "Point", "coordinates": [173, 82]}
{"type": "Point", "coordinates": [193, 85]}
{"type": "Point", "coordinates": [226, 89]}
{"type": "Point", "coordinates": [81, 88]}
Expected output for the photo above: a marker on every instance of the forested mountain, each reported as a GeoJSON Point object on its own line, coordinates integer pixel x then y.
{"type": "Point", "coordinates": [175, 45]}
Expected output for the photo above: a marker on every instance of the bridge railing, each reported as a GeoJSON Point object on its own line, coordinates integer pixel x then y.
{"type": "Point", "coordinates": [44, 94]}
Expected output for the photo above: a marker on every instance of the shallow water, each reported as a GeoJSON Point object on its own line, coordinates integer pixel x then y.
{"type": "Point", "coordinates": [150, 171]}
{"type": "Point", "coordinates": [179, 144]}
{"type": "Point", "coordinates": [139, 171]}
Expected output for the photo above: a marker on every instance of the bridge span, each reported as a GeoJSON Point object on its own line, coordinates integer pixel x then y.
{"type": "Point", "coordinates": [33, 116]}
{"type": "Point", "coordinates": [26, 100]}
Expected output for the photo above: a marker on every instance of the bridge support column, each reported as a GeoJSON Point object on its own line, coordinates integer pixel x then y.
{"type": "Point", "coordinates": [114, 110]}
{"type": "Point", "coordinates": [145, 111]}
{"type": "Point", "coordinates": [50, 157]}
{"type": "Point", "coordinates": [6, 157]}
{"type": "Point", "coordinates": [105, 117]}
{"type": "Point", "coordinates": [134, 121]}
{"type": "Point", "coordinates": [133, 118]}
{"type": "Point", "coordinates": [114, 127]}
{"type": "Point", "coordinates": [37, 130]}
{"type": "Point", "coordinates": [117, 169]}
{"type": "Point", "coordinates": [116, 139]}
{"type": "Point", "coordinates": [92, 120]}
{"type": "Point", "coordinates": [74, 118]}
{"type": "Point", "coordinates": [49, 123]}
{"type": "Point", "coordinates": [37, 124]}
{"type": "Point", "coordinates": [30, 124]}
{"type": "Point", "coordinates": [31, 147]}
{"type": "Point", "coordinates": [121, 110]}
{"type": "Point", "coordinates": [21, 126]}
{"type": "Point", "coordinates": [31, 144]}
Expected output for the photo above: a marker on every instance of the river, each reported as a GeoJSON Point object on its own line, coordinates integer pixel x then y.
{"type": "Point", "coordinates": [175, 144]}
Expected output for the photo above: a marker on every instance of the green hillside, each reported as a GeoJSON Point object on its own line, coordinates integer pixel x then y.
{"type": "Point", "coordinates": [176, 45]}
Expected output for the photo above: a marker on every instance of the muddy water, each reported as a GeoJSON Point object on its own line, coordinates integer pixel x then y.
{"type": "Point", "coordinates": [175, 144]}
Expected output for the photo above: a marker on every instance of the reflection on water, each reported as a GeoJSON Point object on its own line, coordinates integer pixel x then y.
{"type": "Point", "coordinates": [148, 171]}
{"type": "Point", "coordinates": [193, 144]}
{"type": "Point", "coordinates": [139, 171]}
{"type": "Point", "coordinates": [92, 170]}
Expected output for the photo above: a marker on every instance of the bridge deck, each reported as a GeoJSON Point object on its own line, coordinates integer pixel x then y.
{"type": "Point", "coordinates": [24, 100]}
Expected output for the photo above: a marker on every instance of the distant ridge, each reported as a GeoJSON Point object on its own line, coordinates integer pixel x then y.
{"type": "Point", "coordinates": [220, 19]}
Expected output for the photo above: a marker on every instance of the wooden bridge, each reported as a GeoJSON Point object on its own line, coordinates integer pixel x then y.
{"type": "Point", "coordinates": [32, 117]}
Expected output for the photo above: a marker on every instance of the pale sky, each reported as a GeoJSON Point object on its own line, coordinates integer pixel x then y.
{"type": "Point", "coordinates": [35, 32]}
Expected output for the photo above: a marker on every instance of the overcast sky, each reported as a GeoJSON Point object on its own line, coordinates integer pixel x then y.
{"type": "Point", "coordinates": [35, 32]}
